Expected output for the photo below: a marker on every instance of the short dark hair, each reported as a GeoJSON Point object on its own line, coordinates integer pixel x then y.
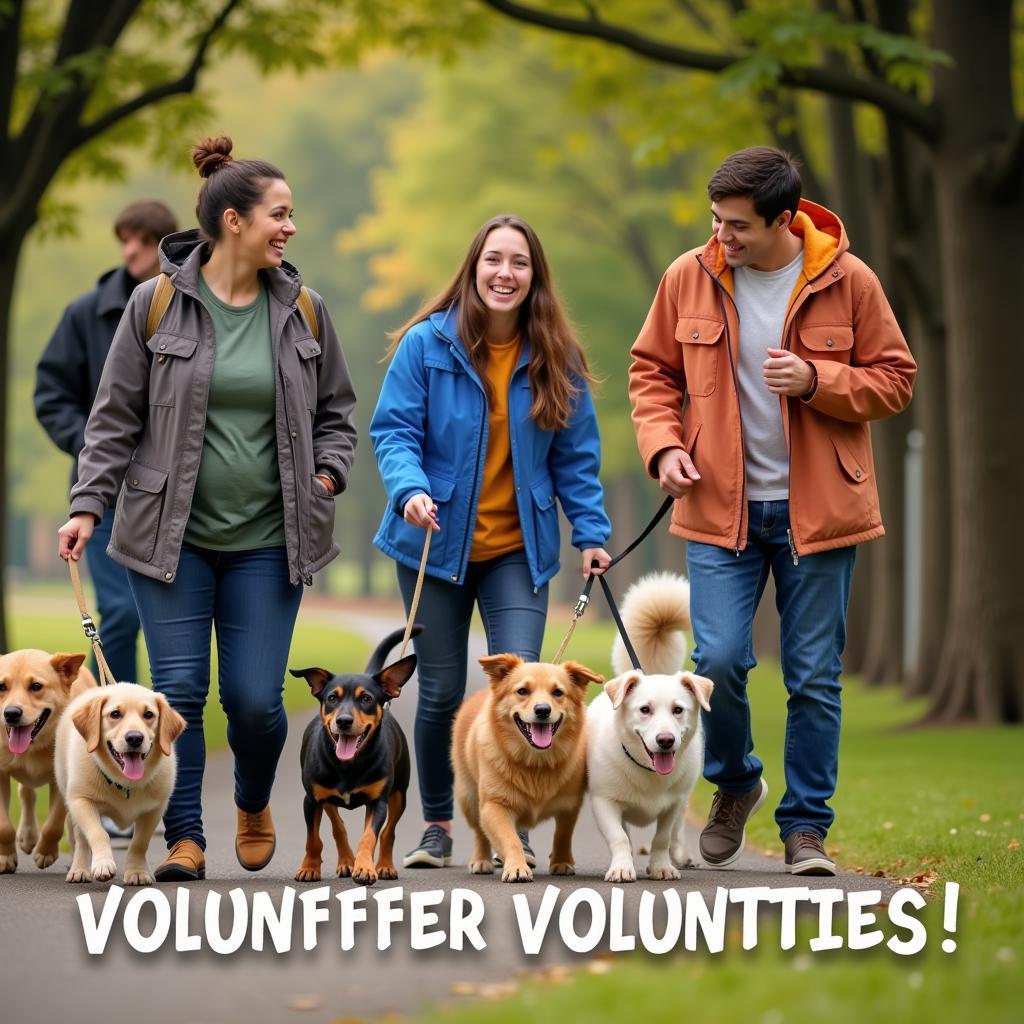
{"type": "Point", "coordinates": [229, 184]}
{"type": "Point", "coordinates": [768, 176]}
{"type": "Point", "coordinates": [147, 217]}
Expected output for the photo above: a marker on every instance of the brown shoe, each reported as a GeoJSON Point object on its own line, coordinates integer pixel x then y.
{"type": "Point", "coordinates": [255, 839]}
{"type": "Point", "coordinates": [805, 855]}
{"type": "Point", "coordinates": [185, 863]}
{"type": "Point", "coordinates": [724, 835]}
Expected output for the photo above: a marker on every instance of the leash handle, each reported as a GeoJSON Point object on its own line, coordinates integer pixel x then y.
{"type": "Point", "coordinates": [89, 627]}
{"type": "Point", "coordinates": [416, 593]}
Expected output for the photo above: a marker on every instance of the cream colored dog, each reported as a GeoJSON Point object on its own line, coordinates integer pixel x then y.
{"type": "Point", "coordinates": [35, 690]}
{"type": "Point", "coordinates": [114, 756]}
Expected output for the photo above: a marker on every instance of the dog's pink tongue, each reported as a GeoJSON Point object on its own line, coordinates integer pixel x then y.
{"type": "Point", "coordinates": [664, 762]}
{"type": "Point", "coordinates": [132, 766]}
{"type": "Point", "coordinates": [346, 748]}
{"type": "Point", "coordinates": [19, 738]}
{"type": "Point", "coordinates": [541, 733]}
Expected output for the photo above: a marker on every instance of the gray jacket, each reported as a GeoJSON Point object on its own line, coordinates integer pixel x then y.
{"type": "Point", "coordinates": [144, 438]}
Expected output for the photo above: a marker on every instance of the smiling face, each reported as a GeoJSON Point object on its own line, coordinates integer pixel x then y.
{"type": "Point", "coordinates": [35, 688]}
{"type": "Point", "coordinates": [504, 272]}
{"type": "Point", "coordinates": [745, 237]}
{"type": "Point", "coordinates": [263, 234]}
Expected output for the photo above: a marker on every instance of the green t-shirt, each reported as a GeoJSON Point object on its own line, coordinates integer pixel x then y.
{"type": "Point", "coordinates": [237, 502]}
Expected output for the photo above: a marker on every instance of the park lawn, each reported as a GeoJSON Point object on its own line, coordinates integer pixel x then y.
{"type": "Point", "coordinates": [910, 801]}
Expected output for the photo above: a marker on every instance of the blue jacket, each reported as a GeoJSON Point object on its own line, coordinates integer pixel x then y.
{"type": "Point", "coordinates": [429, 433]}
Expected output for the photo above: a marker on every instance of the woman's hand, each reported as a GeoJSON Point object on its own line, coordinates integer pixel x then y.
{"type": "Point", "coordinates": [598, 555]}
{"type": "Point", "coordinates": [75, 534]}
{"type": "Point", "coordinates": [327, 481]}
{"type": "Point", "coordinates": [421, 511]}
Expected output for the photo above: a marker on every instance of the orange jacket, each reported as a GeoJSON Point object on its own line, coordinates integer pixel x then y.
{"type": "Point", "coordinates": [682, 384]}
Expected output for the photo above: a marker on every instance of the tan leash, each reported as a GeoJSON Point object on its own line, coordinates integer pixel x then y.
{"type": "Point", "coordinates": [416, 593]}
{"type": "Point", "coordinates": [89, 627]}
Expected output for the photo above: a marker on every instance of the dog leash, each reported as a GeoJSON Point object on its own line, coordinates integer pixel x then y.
{"type": "Point", "coordinates": [89, 627]}
{"type": "Point", "coordinates": [584, 598]}
{"type": "Point", "coordinates": [416, 594]}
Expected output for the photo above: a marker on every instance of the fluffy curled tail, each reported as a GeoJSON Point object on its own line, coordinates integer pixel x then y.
{"type": "Point", "coordinates": [656, 614]}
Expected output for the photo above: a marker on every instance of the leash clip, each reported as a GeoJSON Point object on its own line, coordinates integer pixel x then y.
{"type": "Point", "coordinates": [89, 628]}
{"type": "Point", "coordinates": [581, 606]}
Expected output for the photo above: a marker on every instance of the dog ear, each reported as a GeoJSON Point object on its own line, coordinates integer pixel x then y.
{"type": "Point", "coordinates": [395, 676]}
{"type": "Point", "coordinates": [497, 666]}
{"type": "Point", "coordinates": [316, 677]}
{"type": "Point", "coordinates": [580, 674]}
{"type": "Point", "coordinates": [619, 688]}
{"type": "Point", "coordinates": [67, 666]}
{"type": "Point", "coordinates": [87, 720]}
{"type": "Point", "coordinates": [171, 726]}
{"type": "Point", "coordinates": [699, 686]}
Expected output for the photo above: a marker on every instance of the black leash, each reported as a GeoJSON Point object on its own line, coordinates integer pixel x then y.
{"type": "Point", "coordinates": [584, 598]}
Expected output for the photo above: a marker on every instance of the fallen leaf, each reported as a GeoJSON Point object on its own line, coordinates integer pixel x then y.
{"type": "Point", "coordinates": [498, 990]}
{"type": "Point", "coordinates": [1013, 844]}
{"type": "Point", "coordinates": [304, 1003]}
{"type": "Point", "coordinates": [984, 817]}
{"type": "Point", "coordinates": [464, 988]}
{"type": "Point", "coordinates": [599, 967]}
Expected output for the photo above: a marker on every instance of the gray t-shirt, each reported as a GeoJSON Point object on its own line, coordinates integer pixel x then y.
{"type": "Point", "coordinates": [762, 298]}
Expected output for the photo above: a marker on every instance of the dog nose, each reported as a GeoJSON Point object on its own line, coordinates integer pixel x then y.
{"type": "Point", "coordinates": [12, 716]}
{"type": "Point", "coordinates": [665, 740]}
{"type": "Point", "coordinates": [542, 711]}
{"type": "Point", "coordinates": [345, 722]}
{"type": "Point", "coordinates": [134, 739]}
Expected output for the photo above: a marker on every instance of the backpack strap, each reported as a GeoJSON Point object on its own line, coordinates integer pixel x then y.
{"type": "Point", "coordinates": [158, 304]}
{"type": "Point", "coordinates": [305, 304]}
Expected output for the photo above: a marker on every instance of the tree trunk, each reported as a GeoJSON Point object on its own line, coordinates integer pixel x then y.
{"type": "Point", "coordinates": [981, 673]}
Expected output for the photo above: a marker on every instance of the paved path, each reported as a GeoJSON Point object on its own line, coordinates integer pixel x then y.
{"type": "Point", "coordinates": [45, 970]}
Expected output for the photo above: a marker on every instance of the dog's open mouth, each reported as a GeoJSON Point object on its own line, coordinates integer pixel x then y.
{"type": "Point", "coordinates": [538, 734]}
{"type": "Point", "coordinates": [20, 737]}
{"type": "Point", "coordinates": [663, 761]}
{"type": "Point", "coordinates": [130, 762]}
{"type": "Point", "coordinates": [348, 746]}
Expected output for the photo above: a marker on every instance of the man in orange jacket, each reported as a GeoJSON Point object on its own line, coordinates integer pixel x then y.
{"type": "Point", "coordinates": [763, 359]}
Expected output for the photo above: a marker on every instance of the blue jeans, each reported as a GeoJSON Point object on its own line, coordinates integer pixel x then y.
{"type": "Point", "coordinates": [811, 598]}
{"type": "Point", "coordinates": [246, 597]}
{"type": "Point", "coordinates": [513, 614]}
{"type": "Point", "coordinates": [119, 619]}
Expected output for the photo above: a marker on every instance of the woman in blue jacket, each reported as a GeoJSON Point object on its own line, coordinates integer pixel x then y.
{"type": "Point", "coordinates": [485, 417]}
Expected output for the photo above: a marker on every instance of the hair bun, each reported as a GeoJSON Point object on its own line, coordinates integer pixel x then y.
{"type": "Point", "coordinates": [211, 154]}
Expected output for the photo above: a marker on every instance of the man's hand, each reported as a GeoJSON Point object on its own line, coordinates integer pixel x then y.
{"type": "Point", "coordinates": [787, 374]}
{"type": "Point", "coordinates": [421, 511]}
{"type": "Point", "coordinates": [598, 555]}
{"type": "Point", "coordinates": [676, 472]}
{"type": "Point", "coordinates": [75, 534]}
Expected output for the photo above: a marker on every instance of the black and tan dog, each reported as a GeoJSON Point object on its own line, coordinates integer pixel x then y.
{"type": "Point", "coordinates": [356, 755]}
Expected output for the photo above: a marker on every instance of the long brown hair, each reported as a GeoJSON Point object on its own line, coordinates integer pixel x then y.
{"type": "Point", "coordinates": [556, 356]}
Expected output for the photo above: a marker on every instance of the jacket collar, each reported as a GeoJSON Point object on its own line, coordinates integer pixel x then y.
{"type": "Point", "coordinates": [445, 324]}
{"type": "Point", "coordinates": [183, 253]}
{"type": "Point", "coordinates": [115, 288]}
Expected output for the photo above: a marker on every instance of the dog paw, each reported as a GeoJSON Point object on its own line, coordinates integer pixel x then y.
{"type": "Point", "coordinates": [103, 868]}
{"type": "Point", "coordinates": [138, 877]}
{"type": "Point", "coordinates": [78, 875]}
{"type": "Point", "coordinates": [8, 863]}
{"type": "Point", "coordinates": [563, 868]}
{"type": "Point", "coordinates": [517, 874]}
{"type": "Point", "coordinates": [481, 867]}
{"type": "Point", "coordinates": [364, 874]}
{"type": "Point", "coordinates": [308, 873]}
{"type": "Point", "coordinates": [662, 872]}
{"type": "Point", "coordinates": [27, 839]}
{"type": "Point", "coordinates": [620, 873]}
{"type": "Point", "coordinates": [387, 871]}
{"type": "Point", "coordinates": [44, 856]}
{"type": "Point", "coordinates": [345, 868]}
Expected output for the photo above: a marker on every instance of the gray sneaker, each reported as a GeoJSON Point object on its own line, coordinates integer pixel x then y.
{"type": "Point", "coordinates": [805, 855]}
{"type": "Point", "coordinates": [724, 835]}
{"type": "Point", "coordinates": [524, 838]}
{"type": "Point", "coordinates": [434, 850]}
{"type": "Point", "coordinates": [119, 837]}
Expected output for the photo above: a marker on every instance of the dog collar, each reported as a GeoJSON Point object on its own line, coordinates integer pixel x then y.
{"type": "Point", "coordinates": [117, 785]}
{"type": "Point", "coordinates": [634, 760]}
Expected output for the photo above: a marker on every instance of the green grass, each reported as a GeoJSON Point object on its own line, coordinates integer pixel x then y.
{"type": "Point", "coordinates": [948, 801]}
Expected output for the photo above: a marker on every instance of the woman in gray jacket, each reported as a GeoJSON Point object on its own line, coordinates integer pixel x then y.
{"type": "Point", "coordinates": [225, 431]}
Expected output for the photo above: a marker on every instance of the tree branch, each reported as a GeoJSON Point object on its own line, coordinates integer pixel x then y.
{"type": "Point", "coordinates": [921, 119]}
{"type": "Point", "coordinates": [180, 86]}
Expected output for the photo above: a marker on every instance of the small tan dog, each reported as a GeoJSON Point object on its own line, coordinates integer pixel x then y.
{"type": "Point", "coordinates": [519, 753]}
{"type": "Point", "coordinates": [114, 756]}
{"type": "Point", "coordinates": [35, 690]}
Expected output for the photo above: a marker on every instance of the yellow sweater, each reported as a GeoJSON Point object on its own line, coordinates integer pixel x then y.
{"type": "Point", "coordinates": [497, 524]}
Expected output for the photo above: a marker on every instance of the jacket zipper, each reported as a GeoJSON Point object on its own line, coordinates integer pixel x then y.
{"type": "Point", "coordinates": [306, 577]}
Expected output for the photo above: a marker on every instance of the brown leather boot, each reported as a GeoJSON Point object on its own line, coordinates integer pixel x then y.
{"type": "Point", "coordinates": [255, 839]}
{"type": "Point", "coordinates": [185, 863]}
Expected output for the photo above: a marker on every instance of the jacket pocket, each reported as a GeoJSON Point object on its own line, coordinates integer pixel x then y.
{"type": "Point", "coordinates": [321, 519]}
{"type": "Point", "coordinates": [827, 340]}
{"type": "Point", "coordinates": [701, 340]}
{"type": "Point", "coordinates": [170, 372]}
{"type": "Point", "coordinates": [308, 349]}
{"type": "Point", "coordinates": [545, 518]}
{"type": "Point", "coordinates": [139, 510]}
{"type": "Point", "coordinates": [856, 469]}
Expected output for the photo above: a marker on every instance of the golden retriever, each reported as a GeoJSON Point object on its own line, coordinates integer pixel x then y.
{"type": "Point", "coordinates": [35, 689]}
{"type": "Point", "coordinates": [115, 757]}
{"type": "Point", "coordinates": [519, 753]}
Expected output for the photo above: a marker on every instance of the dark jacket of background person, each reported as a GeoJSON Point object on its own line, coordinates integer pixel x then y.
{"type": "Point", "coordinates": [145, 435]}
{"type": "Point", "coordinates": [68, 373]}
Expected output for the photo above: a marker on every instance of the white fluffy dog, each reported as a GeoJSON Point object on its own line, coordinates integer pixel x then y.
{"type": "Point", "coordinates": [645, 746]}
